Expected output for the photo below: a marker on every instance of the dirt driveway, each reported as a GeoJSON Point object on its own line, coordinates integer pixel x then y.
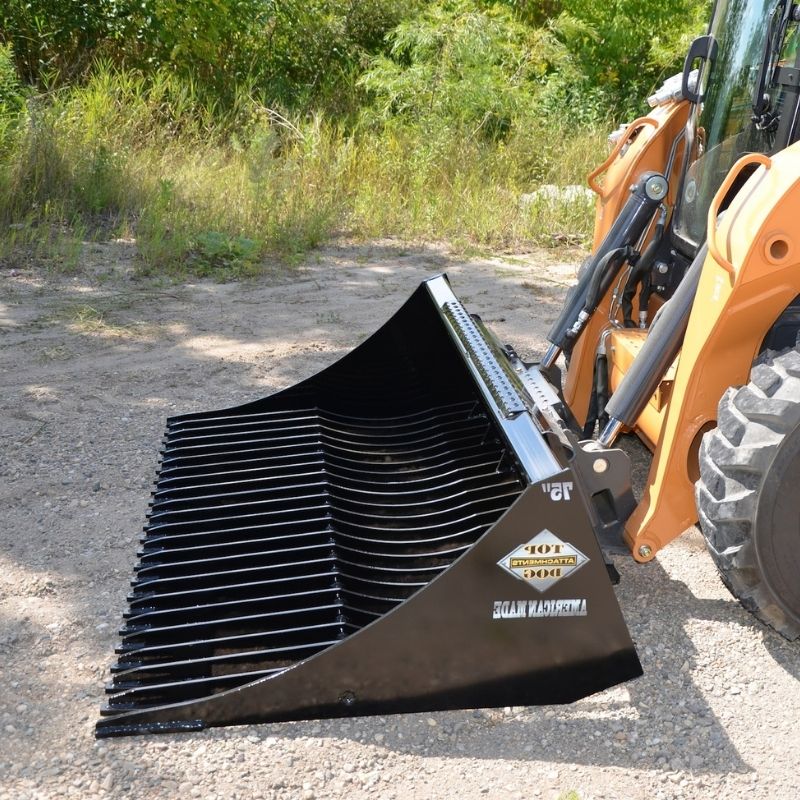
{"type": "Point", "coordinates": [89, 369]}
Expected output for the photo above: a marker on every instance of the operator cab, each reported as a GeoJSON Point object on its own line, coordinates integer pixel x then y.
{"type": "Point", "coordinates": [747, 102]}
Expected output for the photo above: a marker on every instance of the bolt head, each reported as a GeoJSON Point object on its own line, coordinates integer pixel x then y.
{"type": "Point", "coordinates": [600, 465]}
{"type": "Point", "coordinates": [645, 551]}
{"type": "Point", "coordinates": [656, 187]}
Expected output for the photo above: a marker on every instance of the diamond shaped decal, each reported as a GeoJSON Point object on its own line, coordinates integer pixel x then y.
{"type": "Point", "coordinates": [543, 561]}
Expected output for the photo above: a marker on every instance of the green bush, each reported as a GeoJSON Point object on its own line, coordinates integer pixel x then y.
{"type": "Point", "coordinates": [61, 37]}
{"type": "Point", "coordinates": [621, 51]}
{"type": "Point", "coordinates": [289, 51]}
{"type": "Point", "coordinates": [473, 58]}
{"type": "Point", "coordinates": [459, 64]}
{"type": "Point", "coordinates": [487, 64]}
{"type": "Point", "coordinates": [12, 96]}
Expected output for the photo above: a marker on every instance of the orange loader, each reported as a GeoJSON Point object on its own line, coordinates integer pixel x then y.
{"type": "Point", "coordinates": [428, 523]}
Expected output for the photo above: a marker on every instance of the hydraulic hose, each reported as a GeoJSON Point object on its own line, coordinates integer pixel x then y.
{"type": "Point", "coordinates": [640, 274]}
{"type": "Point", "coordinates": [659, 351]}
{"type": "Point", "coordinates": [602, 277]}
{"type": "Point", "coordinates": [646, 195]}
{"type": "Point", "coordinates": [599, 398]}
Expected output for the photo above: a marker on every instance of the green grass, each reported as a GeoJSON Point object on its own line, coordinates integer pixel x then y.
{"type": "Point", "coordinates": [214, 194]}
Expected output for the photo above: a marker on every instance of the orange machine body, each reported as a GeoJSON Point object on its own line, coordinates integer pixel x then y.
{"type": "Point", "coordinates": [750, 276]}
{"type": "Point", "coordinates": [645, 146]}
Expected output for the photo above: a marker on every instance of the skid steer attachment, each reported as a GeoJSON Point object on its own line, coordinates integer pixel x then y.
{"type": "Point", "coordinates": [413, 529]}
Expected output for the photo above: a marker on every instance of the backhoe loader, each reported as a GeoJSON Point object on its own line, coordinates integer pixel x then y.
{"type": "Point", "coordinates": [428, 523]}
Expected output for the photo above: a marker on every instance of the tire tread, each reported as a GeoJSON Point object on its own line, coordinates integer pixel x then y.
{"type": "Point", "coordinates": [752, 422]}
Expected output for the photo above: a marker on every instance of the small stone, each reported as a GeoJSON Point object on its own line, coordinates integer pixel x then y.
{"type": "Point", "coordinates": [348, 768]}
{"type": "Point", "coordinates": [432, 722]}
{"type": "Point", "coordinates": [308, 794]}
{"type": "Point", "coordinates": [379, 737]}
{"type": "Point", "coordinates": [21, 708]}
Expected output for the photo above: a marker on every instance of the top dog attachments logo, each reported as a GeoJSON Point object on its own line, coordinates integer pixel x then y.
{"type": "Point", "coordinates": [543, 561]}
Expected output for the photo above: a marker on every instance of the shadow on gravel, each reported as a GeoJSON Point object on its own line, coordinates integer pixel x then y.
{"type": "Point", "coordinates": [785, 654]}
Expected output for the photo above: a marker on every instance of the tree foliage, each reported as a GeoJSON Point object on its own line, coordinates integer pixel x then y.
{"type": "Point", "coordinates": [290, 50]}
{"type": "Point", "coordinates": [477, 62]}
{"type": "Point", "coordinates": [456, 63]}
{"type": "Point", "coordinates": [628, 46]}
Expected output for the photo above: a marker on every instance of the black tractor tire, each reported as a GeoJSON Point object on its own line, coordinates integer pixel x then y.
{"type": "Point", "coordinates": [748, 495]}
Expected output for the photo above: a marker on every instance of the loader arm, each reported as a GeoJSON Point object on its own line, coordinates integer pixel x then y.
{"type": "Point", "coordinates": [751, 274]}
{"type": "Point", "coordinates": [646, 148]}
{"type": "Point", "coordinates": [695, 338]}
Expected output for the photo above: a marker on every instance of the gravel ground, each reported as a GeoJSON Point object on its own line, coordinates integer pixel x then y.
{"type": "Point", "coordinates": [89, 369]}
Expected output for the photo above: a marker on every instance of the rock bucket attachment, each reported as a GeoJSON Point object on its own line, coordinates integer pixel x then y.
{"type": "Point", "coordinates": [394, 534]}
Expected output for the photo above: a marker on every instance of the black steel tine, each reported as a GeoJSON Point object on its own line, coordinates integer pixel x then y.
{"type": "Point", "coordinates": [279, 528]}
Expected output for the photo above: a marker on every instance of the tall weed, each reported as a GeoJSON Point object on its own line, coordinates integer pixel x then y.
{"type": "Point", "coordinates": [213, 192]}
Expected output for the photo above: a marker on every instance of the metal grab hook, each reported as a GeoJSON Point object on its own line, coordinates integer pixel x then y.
{"type": "Point", "coordinates": [621, 142]}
